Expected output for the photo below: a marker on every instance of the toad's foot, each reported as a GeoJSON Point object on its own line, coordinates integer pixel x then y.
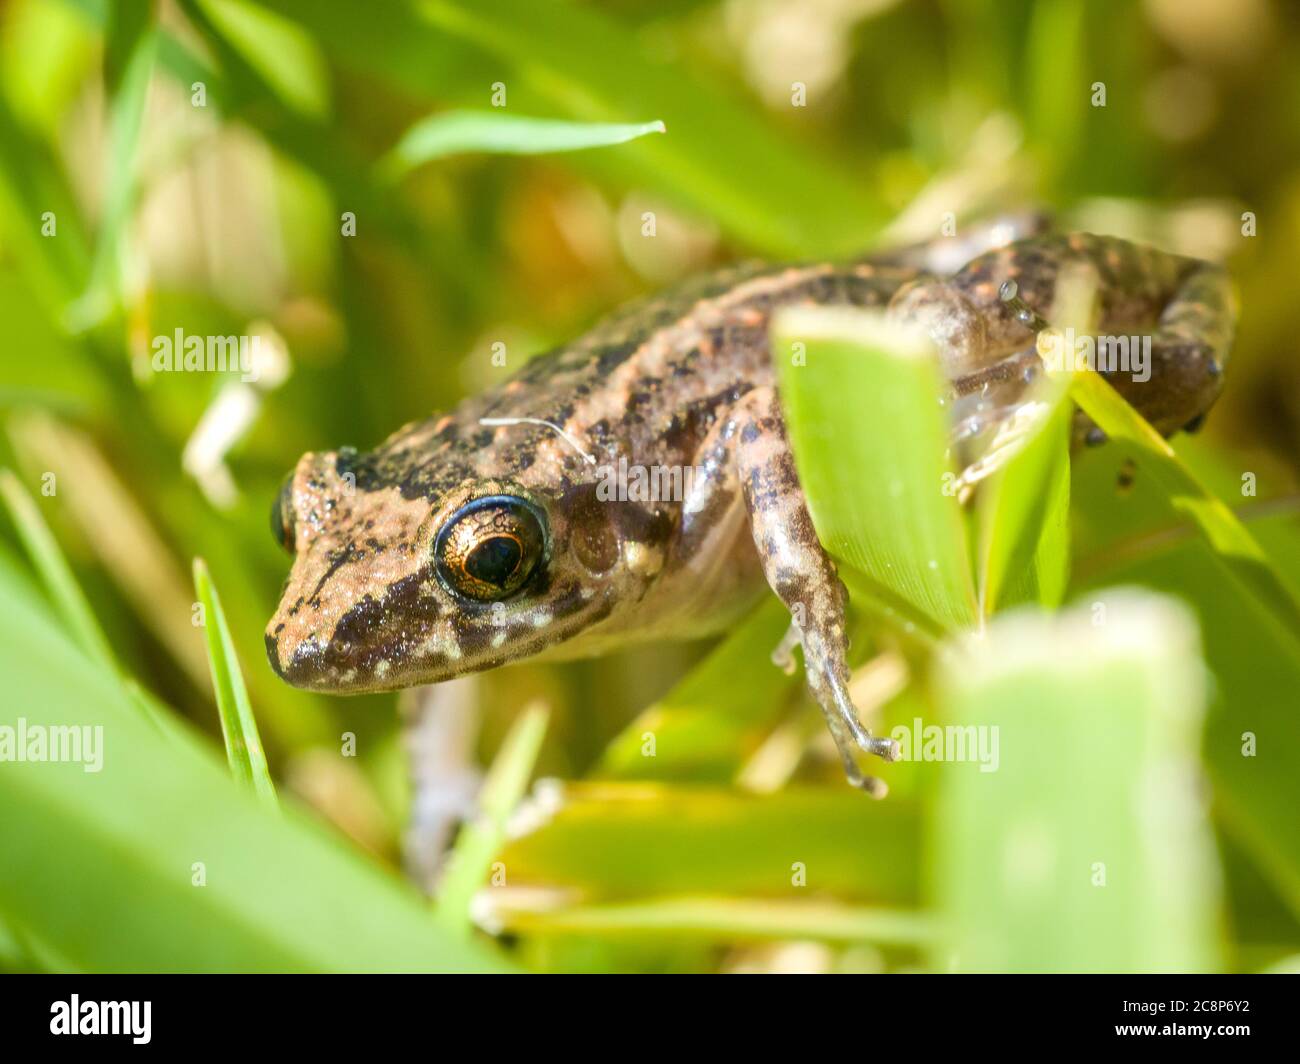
{"type": "Point", "coordinates": [802, 575]}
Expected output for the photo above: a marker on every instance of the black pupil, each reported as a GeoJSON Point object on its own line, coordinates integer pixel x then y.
{"type": "Point", "coordinates": [494, 561]}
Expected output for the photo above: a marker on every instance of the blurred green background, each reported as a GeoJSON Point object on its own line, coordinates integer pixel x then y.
{"type": "Point", "coordinates": [217, 166]}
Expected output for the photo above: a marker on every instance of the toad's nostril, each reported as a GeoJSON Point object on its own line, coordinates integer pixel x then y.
{"type": "Point", "coordinates": [301, 664]}
{"type": "Point", "coordinates": [273, 654]}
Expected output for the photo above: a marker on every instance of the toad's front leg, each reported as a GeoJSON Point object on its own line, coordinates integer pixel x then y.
{"type": "Point", "coordinates": [801, 573]}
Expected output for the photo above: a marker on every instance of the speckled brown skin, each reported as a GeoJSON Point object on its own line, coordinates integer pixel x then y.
{"type": "Point", "coordinates": [681, 380]}
{"type": "Point", "coordinates": [1185, 305]}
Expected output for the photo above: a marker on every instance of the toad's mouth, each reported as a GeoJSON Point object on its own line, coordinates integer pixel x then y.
{"type": "Point", "coordinates": [400, 650]}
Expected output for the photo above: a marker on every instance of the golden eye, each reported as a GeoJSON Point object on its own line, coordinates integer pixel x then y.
{"type": "Point", "coordinates": [283, 517]}
{"type": "Point", "coordinates": [489, 548]}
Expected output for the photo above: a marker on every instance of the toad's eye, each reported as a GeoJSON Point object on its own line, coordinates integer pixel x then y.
{"type": "Point", "coordinates": [490, 547]}
{"type": "Point", "coordinates": [282, 516]}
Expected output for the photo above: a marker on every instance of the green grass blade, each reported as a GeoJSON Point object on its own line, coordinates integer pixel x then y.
{"type": "Point", "coordinates": [1087, 847]}
{"type": "Point", "coordinates": [1233, 545]}
{"type": "Point", "coordinates": [65, 593]}
{"type": "Point", "coordinates": [131, 44]}
{"type": "Point", "coordinates": [274, 49]}
{"type": "Point", "coordinates": [243, 744]}
{"type": "Point", "coordinates": [238, 91]}
{"type": "Point", "coordinates": [720, 919]}
{"type": "Point", "coordinates": [1023, 515]}
{"type": "Point", "coordinates": [481, 841]}
{"type": "Point", "coordinates": [56, 574]}
{"type": "Point", "coordinates": [722, 160]}
{"type": "Point", "coordinates": [1056, 67]}
{"type": "Point", "coordinates": [457, 132]}
{"type": "Point", "coordinates": [190, 874]}
{"type": "Point", "coordinates": [869, 439]}
{"type": "Point", "coordinates": [31, 183]}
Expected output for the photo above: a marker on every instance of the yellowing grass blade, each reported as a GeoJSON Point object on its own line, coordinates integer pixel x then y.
{"type": "Point", "coordinates": [480, 841]}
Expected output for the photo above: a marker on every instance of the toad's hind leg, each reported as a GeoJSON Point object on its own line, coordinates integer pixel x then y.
{"type": "Point", "coordinates": [1188, 351]}
{"type": "Point", "coordinates": [1177, 384]}
{"type": "Point", "coordinates": [801, 574]}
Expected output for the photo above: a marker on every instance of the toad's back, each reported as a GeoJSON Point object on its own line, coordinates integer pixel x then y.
{"type": "Point", "coordinates": [646, 384]}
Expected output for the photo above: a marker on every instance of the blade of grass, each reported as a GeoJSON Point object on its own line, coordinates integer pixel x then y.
{"type": "Point", "coordinates": [1023, 513]}
{"type": "Point", "coordinates": [131, 43]}
{"type": "Point", "coordinates": [190, 874]}
{"type": "Point", "coordinates": [457, 132]}
{"type": "Point", "coordinates": [481, 841]}
{"type": "Point", "coordinates": [860, 398]}
{"type": "Point", "coordinates": [722, 160]}
{"type": "Point", "coordinates": [722, 918]}
{"type": "Point", "coordinates": [284, 57]}
{"type": "Point", "coordinates": [54, 570]}
{"type": "Point", "coordinates": [242, 94]}
{"type": "Point", "coordinates": [1233, 545]}
{"type": "Point", "coordinates": [1254, 662]}
{"type": "Point", "coordinates": [1087, 848]}
{"type": "Point", "coordinates": [1152, 543]}
{"type": "Point", "coordinates": [238, 726]}
{"type": "Point", "coordinates": [114, 525]}
{"type": "Point", "coordinates": [238, 91]}
{"type": "Point", "coordinates": [1055, 60]}
{"type": "Point", "coordinates": [63, 590]}
{"type": "Point", "coordinates": [30, 185]}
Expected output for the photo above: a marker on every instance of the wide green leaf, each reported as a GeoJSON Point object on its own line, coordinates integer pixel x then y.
{"type": "Point", "coordinates": [861, 404]}
{"type": "Point", "coordinates": [189, 874]}
{"type": "Point", "coordinates": [1253, 727]}
{"type": "Point", "coordinates": [609, 840]}
{"type": "Point", "coordinates": [1023, 511]}
{"type": "Point", "coordinates": [1085, 845]}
